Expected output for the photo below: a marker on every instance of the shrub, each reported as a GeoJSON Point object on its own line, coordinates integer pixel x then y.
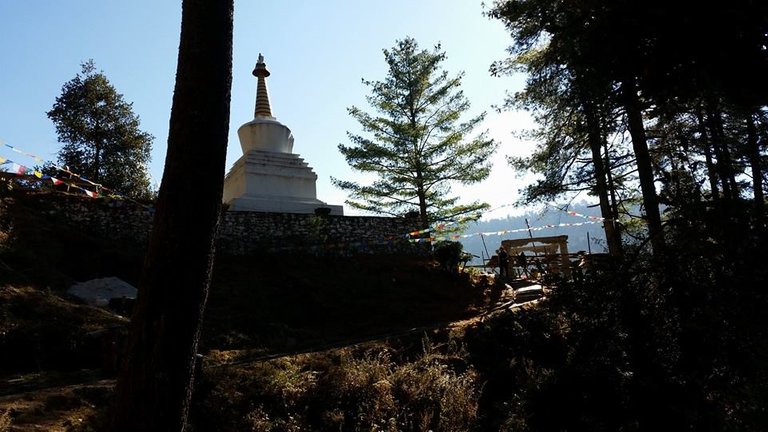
{"type": "Point", "coordinates": [346, 390]}
{"type": "Point", "coordinates": [448, 254]}
{"type": "Point", "coordinates": [435, 397]}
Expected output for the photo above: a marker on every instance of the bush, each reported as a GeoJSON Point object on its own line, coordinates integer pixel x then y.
{"type": "Point", "coordinates": [448, 254]}
{"type": "Point", "coordinates": [346, 390]}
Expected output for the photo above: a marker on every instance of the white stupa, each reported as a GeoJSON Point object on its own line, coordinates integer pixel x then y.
{"type": "Point", "coordinates": [269, 177]}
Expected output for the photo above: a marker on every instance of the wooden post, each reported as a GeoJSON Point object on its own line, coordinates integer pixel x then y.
{"type": "Point", "coordinates": [564, 259]}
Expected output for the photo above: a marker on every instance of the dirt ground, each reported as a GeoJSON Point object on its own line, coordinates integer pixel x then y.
{"type": "Point", "coordinates": [56, 409]}
{"type": "Point", "coordinates": [54, 374]}
{"type": "Point", "coordinates": [70, 401]}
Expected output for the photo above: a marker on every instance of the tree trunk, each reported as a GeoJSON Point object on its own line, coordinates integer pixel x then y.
{"type": "Point", "coordinates": [644, 166]}
{"type": "Point", "coordinates": [724, 163]}
{"type": "Point", "coordinates": [97, 157]}
{"type": "Point", "coordinates": [595, 144]}
{"type": "Point", "coordinates": [155, 384]}
{"type": "Point", "coordinates": [753, 146]}
{"type": "Point", "coordinates": [423, 208]}
{"type": "Point", "coordinates": [614, 202]}
{"type": "Point", "coordinates": [711, 170]}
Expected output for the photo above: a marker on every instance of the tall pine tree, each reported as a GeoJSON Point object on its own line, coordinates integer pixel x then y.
{"type": "Point", "coordinates": [415, 143]}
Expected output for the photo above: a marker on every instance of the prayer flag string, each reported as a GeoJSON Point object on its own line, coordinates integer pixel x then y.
{"type": "Point", "coordinates": [442, 226]}
{"type": "Point", "coordinates": [573, 213]}
{"type": "Point", "coordinates": [19, 169]}
{"type": "Point", "coordinates": [502, 232]}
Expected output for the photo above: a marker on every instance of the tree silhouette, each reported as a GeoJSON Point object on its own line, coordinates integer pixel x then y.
{"type": "Point", "coordinates": [101, 135]}
{"type": "Point", "coordinates": [155, 384]}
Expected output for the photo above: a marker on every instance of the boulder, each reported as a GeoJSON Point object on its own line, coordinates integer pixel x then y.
{"type": "Point", "coordinates": [99, 292]}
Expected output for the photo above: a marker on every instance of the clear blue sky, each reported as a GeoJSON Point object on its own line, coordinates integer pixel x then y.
{"type": "Point", "coordinates": [317, 52]}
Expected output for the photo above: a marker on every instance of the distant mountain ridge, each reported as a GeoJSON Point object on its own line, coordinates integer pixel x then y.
{"type": "Point", "coordinates": [577, 235]}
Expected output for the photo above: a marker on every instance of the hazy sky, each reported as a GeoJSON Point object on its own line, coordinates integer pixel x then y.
{"type": "Point", "coordinates": [317, 52]}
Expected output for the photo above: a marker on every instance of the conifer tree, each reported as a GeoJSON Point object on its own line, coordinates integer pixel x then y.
{"type": "Point", "coordinates": [415, 143]}
{"type": "Point", "coordinates": [101, 135]}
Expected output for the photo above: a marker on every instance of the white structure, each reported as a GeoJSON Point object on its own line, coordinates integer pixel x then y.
{"type": "Point", "coordinates": [269, 177]}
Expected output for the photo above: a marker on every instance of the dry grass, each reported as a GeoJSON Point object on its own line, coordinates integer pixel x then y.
{"type": "Point", "coordinates": [257, 305]}
{"type": "Point", "coordinates": [377, 387]}
{"type": "Point", "coordinates": [60, 409]}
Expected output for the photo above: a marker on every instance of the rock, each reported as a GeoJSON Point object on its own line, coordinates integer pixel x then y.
{"type": "Point", "coordinates": [99, 292]}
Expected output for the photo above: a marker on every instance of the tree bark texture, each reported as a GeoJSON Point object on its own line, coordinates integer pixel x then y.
{"type": "Point", "coordinates": [155, 384]}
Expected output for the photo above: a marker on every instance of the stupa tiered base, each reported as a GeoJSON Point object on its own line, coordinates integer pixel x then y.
{"type": "Point", "coordinates": [271, 204]}
{"type": "Point", "coordinates": [269, 177]}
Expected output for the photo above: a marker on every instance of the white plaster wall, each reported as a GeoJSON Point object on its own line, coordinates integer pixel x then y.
{"type": "Point", "coordinates": [266, 135]}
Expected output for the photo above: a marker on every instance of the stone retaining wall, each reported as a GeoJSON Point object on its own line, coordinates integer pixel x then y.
{"type": "Point", "coordinates": [240, 233]}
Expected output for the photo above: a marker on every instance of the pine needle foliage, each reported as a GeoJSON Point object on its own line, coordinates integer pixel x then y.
{"type": "Point", "coordinates": [414, 141]}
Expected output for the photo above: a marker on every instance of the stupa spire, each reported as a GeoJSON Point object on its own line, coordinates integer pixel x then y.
{"type": "Point", "coordinates": [262, 97]}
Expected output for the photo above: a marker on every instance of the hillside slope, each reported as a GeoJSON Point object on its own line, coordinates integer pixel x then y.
{"type": "Point", "coordinates": [268, 303]}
